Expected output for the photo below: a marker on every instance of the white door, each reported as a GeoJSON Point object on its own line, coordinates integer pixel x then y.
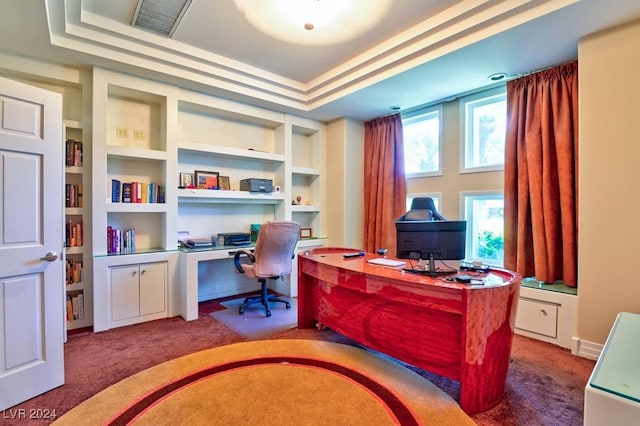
{"type": "Point", "coordinates": [31, 239]}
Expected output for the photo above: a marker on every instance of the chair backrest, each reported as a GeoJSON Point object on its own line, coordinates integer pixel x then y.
{"type": "Point", "coordinates": [275, 248]}
{"type": "Point", "coordinates": [418, 214]}
{"type": "Point", "coordinates": [422, 208]}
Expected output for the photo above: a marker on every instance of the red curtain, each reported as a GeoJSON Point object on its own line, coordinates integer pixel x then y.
{"type": "Point", "coordinates": [541, 170]}
{"type": "Point", "coordinates": [384, 182]}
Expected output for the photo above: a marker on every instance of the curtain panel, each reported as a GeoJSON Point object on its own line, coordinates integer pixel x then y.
{"type": "Point", "coordinates": [384, 182]}
{"type": "Point", "coordinates": [541, 175]}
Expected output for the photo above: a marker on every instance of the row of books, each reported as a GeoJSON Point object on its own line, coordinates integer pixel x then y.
{"type": "Point", "coordinates": [73, 153]}
{"type": "Point", "coordinates": [73, 234]}
{"type": "Point", "coordinates": [75, 306]}
{"type": "Point", "coordinates": [136, 192]}
{"type": "Point", "coordinates": [73, 271]}
{"type": "Point", "coordinates": [121, 241]}
{"type": "Point", "coordinates": [73, 195]}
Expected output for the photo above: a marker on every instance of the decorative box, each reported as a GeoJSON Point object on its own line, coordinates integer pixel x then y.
{"type": "Point", "coordinates": [256, 185]}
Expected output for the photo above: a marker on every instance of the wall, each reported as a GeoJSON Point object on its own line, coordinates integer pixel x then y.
{"type": "Point", "coordinates": [452, 182]}
{"type": "Point", "coordinates": [609, 65]}
{"type": "Point", "coordinates": [345, 183]}
{"type": "Point", "coordinates": [609, 91]}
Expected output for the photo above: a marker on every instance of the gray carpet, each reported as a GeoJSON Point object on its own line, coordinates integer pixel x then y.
{"type": "Point", "coordinates": [253, 324]}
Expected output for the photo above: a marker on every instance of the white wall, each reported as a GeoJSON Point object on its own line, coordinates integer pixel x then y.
{"type": "Point", "coordinates": [609, 206]}
{"type": "Point", "coordinates": [345, 183]}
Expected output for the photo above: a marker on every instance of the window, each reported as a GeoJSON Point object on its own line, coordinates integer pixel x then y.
{"type": "Point", "coordinates": [423, 143]}
{"type": "Point", "coordinates": [484, 213]}
{"type": "Point", "coordinates": [484, 126]}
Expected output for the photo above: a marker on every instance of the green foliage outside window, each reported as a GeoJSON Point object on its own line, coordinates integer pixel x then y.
{"type": "Point", "coordinates": [491, 245]}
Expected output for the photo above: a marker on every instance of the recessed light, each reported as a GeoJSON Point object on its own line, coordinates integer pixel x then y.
{"type": "Point", "coordinates": [498, 76]}
{"type": "Point", "coordinates": [308, 26]}
{"type": "Point", "coordinates": [395, 107]}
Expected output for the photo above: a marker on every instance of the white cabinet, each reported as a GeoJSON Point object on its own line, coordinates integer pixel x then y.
{"type": "Point", "coordinates": [134, 288]}
{"type": "Point", "coordinates": [548, 315]}
{"type": "Point", "coordinates": [138, 291]}
{"type": "Point", "coordinates": [538, 317]}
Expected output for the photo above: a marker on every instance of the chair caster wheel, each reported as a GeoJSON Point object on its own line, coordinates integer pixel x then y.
{"type": "Point", "coordinates": [268, 314]}
{"type": "Point", "coordinates": [240, 311]}
{"type": "Point", "coordinates": [319, 326]}
{"type": "Point", "coordinates": [288, 305]}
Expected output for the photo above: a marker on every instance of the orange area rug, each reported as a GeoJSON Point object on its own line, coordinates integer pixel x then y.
{"type": "Point", "coordinates": [272, 382]}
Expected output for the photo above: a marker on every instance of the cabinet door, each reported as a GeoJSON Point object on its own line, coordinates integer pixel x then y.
{"type": "Point", "coordinates": [125, 292]}
{"type": "Point", "coordinates": [153, 279]}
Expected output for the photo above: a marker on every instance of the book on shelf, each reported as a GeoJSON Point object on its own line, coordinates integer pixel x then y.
{"type": "Point", "coordinates": [126, 192]}
{"type": "Point", "coordinates": [80, 306]}
{"type": "Point", "coordinates": [73, 153]}
{"type": "Point", "coordinates": [135, 192]}
{"type": "Point", "coordinates": [73, 271]}
{"type": "Point", "coordinates": [120, 241]}
{"type": "Point", "coordinates": [115, 190]}
{"type": "Point", "coordinates": [73, 234]}
{"type": "Point", "coordinates": [73, 195]}
{"type": "Point", "coordinates": [69, 308]}
{"type": "Point", "coordinates": [75, 306]}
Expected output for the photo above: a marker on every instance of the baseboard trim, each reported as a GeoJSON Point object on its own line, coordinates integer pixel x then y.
{"type": "Point", "coordinates": [587, 349]}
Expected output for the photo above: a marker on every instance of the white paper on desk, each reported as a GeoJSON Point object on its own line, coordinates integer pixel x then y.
{"type": "Point", "coordinates": [386, 262]}
{"type": "Point", "coordinates": [183, 236]}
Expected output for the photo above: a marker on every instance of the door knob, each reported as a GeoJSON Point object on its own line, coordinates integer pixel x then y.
{"type": "Point", "coordinates": [50, 256]}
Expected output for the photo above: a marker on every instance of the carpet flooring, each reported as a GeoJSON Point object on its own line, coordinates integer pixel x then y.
{"type": "Point", "coordinates": [280, 382]}
{"type": "Point", "coordinates": [253, 324]}
{"type": "Point", "coordinates": [545, 383]}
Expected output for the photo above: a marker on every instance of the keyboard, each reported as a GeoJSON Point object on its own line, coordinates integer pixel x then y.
{"type": "Point", "coordinates": [386, 262]}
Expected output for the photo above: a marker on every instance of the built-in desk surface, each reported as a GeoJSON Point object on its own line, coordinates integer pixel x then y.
{"type": "Point", "coordinates": [617, 370]}
{"type": "Point", "coordinates": [231, 248]}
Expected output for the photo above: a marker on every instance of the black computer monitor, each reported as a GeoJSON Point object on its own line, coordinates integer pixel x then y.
{"type": "Point", "coordinates": [431, 240]}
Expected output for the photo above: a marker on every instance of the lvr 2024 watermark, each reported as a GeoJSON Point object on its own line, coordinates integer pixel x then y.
{"type": "Point", "coordinates": [28, 414]}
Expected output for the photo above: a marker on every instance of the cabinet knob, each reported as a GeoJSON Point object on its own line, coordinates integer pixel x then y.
{"type": "Point", "coordinates": [143, 271]}
{"type": "Point", "coordinates": [543, 312]}
{"type": "Point", "coordinates": [134, 273]}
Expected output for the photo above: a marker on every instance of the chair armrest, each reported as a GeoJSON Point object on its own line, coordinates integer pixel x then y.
{"type": "Point", "coordinates": [236, 259]}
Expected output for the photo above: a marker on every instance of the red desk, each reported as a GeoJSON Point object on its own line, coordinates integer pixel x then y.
{"type": "Point", "coordinates": [459, 331]}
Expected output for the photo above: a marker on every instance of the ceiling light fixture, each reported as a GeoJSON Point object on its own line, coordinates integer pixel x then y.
{"type": "Point", "coordinates": [313, 22]}
{"type": "Point", "coordinates": [498, 76]}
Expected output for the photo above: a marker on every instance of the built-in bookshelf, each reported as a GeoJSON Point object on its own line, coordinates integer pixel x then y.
{"type": "Point", "coordinates": [164, 137]}
{"type": "Point", "coordinates": [77, 258]}
{"type": "Point", "coordinates": [134, 217]}
{"type": "Point", "coordinates": [132, 161]}
{"type": "Point", "coordinates": [307, 164]}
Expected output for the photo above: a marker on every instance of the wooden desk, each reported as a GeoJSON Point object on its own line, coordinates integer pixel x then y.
{"type": "Point", "coordinates": [459, 331]}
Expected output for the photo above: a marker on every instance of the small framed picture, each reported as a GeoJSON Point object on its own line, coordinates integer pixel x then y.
{"type": "Point", "coordinates": [223, 181]}
{"type": "Point", "coordinates": [186, 180]}
{"type": "Point", "coordinates": [206, 180]}
{"type": "Point", "coordinates": [305, 233]}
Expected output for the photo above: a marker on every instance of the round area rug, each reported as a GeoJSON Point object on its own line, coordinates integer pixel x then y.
{"type": "Point", "coordinates": [272, 382]}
